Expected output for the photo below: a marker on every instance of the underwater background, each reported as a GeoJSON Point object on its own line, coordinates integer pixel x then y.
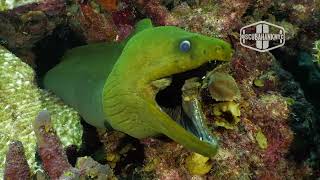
{"type": "Point", "coordinates": [262, 108]}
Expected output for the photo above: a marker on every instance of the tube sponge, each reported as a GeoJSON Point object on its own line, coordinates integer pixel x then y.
{"type": "Point", "coordinates": [21, 101]}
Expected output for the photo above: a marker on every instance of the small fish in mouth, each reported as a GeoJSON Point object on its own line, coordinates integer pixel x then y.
{"type": "Point", "coordinates": [191, 103]}
{"type": "Point", "coordinates": [188, 112]}
{"type": "Point", "coordinates": [179, 97]}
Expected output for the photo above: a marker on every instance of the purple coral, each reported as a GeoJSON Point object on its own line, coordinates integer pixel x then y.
{"type": "Point", "coordinates": [54, 158]}
{"type": "Point", "coordinates": [16, 164]}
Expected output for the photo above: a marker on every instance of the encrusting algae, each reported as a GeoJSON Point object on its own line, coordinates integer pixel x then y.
{"type": "Point", "coordinates": [198, 164]}
{"type": "Point", "coordinates": [20, 102]}
{"type": "Point", "coordinates": [261, 140]}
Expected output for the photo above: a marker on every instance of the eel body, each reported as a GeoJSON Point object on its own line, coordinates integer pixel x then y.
{"type": "Point", "coordinates": [110, 84]}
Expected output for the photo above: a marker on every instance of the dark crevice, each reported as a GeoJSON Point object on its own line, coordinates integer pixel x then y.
{"type": "Point", "coordinates": [49, 50]}
{"type": "Point", "coordinates": [132, 161]}
{"type": "Point", "coordinates": [90, 140]}
{"type": "Point", "coordinates": [170, 97]}
{"type": "Point", "coordinates": [304, 119]}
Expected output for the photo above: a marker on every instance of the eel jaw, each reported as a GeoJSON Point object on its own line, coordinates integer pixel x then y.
{"type": "Point", "coordinates": [190, 120]}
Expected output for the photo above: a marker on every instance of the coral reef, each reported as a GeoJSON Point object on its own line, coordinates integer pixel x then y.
{"type": "Point", "coordinates": [22, 27]}
{"type": "Point", "coordinates": [114, 146]}
{"type": "Point", "coordinates": [53, 158]}
{"type": "Point", "coordinates": [263, 130]}
{"type": "Point", "coordinates": [267, 125]}
{"type": "Point", "coordinates": [159, 14]}
{"type": "Point", "coordinates": [21, 100]}
{"type": "Point", "coordinates": [93, 26]}
{"type": "Point", "coordinates": [167, 163]}
{"type": "Point", "coordinates": [109, 5]}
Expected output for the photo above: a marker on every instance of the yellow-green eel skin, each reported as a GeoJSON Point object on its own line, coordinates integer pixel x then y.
{"type": "Point", "coordinates": [109, 84]}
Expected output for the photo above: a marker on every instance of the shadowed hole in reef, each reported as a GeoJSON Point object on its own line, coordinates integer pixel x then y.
{"type": "Point", "coordinates": [72, 154]}
{"type": "Point", "coordinates": [304, 117]}
{"type": "Point", "coordinates": [90, 140]}
{"type": "Point", "coordinates": [170, 98]}
{"type": "Point", "coordinates": [299, 147]}
{"type": "Point", "coordinates": [48, 53]}
{"type": "Point", "coordinates": [49, 50]}
{"type": "Point", "coordinates": [126, 168]}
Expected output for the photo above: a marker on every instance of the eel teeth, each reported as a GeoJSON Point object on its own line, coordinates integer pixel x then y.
{"type": "Point", "coordinates": [161, 84]}
{"type": "Point", "coordinates": [195, 121]}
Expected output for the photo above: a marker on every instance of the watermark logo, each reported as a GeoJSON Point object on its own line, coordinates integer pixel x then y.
{"type": "Point", "coordinates": [262, 36]}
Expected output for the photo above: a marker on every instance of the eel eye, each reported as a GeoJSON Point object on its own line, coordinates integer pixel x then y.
{"type": "Point", "coordinates": [185, 46]}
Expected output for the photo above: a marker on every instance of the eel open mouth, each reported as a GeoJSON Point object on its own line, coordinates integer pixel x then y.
{"type": "Point", "coordinates": [187, 113]}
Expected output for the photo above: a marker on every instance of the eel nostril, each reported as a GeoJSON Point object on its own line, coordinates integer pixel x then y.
{"type": "Point", "coordinates": [218, 49]}
{"type": "Point", "coordinates": [204, 52]}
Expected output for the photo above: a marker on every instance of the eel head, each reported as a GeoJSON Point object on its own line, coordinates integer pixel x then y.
{"type": "Point", "coordinates": [145, 67]}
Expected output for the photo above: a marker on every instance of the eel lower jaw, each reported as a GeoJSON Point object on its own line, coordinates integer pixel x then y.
{"type": "Point", "coordinates": [188, 114]}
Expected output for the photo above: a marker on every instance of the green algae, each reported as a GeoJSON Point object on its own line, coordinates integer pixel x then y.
{"type": "Point", "coordinates": [258, 82]}
{"type": "Point", "coordinates": [198, 164]}
{"type": "Point", "coordinates": [227, 108]}
{"type": "Point", "coordinates": [151, 165]}
{"type": "Point", "coordinates": [290, 101]}
{"type": "Point", "coordinates": [261, 140]}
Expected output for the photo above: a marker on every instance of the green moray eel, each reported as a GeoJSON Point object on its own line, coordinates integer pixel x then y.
{"type": "Point", "coordinates": [110, 84]}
